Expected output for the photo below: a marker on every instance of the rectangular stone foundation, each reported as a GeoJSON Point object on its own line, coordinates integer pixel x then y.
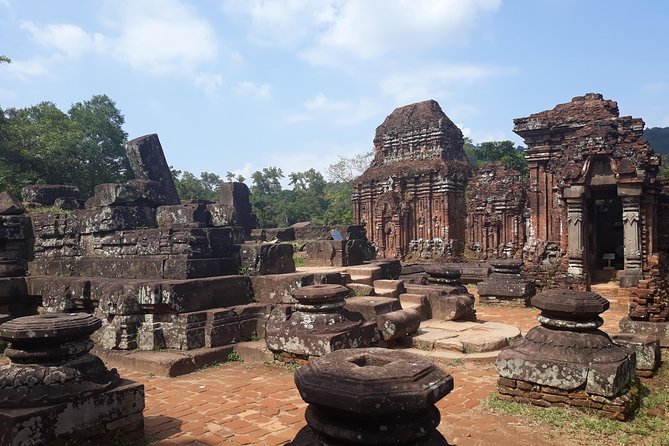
{"type": "Point", "coordinates": [619, 408]}
{"type": "Point", "coordinates": [118, 410]}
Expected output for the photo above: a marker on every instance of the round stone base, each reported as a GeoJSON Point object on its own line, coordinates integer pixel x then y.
{"type": "Point", "coordinates": [308, 437]}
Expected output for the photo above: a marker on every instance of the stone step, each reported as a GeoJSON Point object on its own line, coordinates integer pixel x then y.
{"type": "Point", "coordinates": [366, 274]}
{"type": "Point", "coordinates": [418, 302]}
{"type": "Point", "coordinates": [255, 352]}
{"type": "Point", "coordinates": [167, 362]}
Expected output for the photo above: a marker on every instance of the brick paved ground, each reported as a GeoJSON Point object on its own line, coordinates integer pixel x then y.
{"type": "Point", "coordinates": [253, 404]}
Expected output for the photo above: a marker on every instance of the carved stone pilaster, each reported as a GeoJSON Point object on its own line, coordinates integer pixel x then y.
{"type": "Point", "coordinates": [632, 241]}
{"type": "Point", "coordinates": [576, 246]}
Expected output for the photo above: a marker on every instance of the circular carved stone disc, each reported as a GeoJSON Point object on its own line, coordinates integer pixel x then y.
{"type": "Point", "coordinates": [51, 326]}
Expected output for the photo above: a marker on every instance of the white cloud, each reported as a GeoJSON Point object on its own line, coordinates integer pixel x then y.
{"type": "Point", "coordinates": [343, 112]}
{"type": "Point", "coordinates": [256, 91]}
{"type": "Point", "coordinates": [436, 80]}
{"type": "Point", "coordinates": [163, 37]}
{"type": "Point", "coordinates": [67, 39]}
{"type": "Point", "coordinates": [283, 24]}
{"type": "Point", "coordinates": [656, 87]}
{"type": "Point", "coordinates": [24, 69]}
{"type": "Point", "coordinates": [333, 32]}
{"type": "Point", "coordinates": [371, 29]}
{"type": "Point", "coordinates": [209, 82]}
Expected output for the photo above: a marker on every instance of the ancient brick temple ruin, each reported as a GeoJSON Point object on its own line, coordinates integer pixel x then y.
{"type": "Point", "coordinates": [412, 198]}
{"type": "Point", "coordinates": [593, 191]}
{"type": "Point", "coordinates": [496, 200]}
{"type": "Point", "coordinates": [589, 211]}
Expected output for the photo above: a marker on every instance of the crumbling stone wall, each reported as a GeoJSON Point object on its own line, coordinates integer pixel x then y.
{"type": "Point", "coordinates": [414, 189]}
{"type": "Point", "coordinates": [159, 273]}
{"type": "Point", "coordinates": [496, 200]}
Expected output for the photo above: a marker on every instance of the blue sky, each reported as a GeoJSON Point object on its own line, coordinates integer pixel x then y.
{"type": "Point", "coordinates": [238, 85]}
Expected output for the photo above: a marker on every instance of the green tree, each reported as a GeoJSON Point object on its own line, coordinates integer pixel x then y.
{"type": "Point", "coordinates": [231, 176]}
{"type": "Point", "coordinates": [470, 150]}
{"type": "Point", "coordinates": [347, 169]}
{"type": "Point", "coordinates": [339, 209]}
{"type": "Point", "coordinates": [102, 145]}
{"type": "Point", "coordinates": [191, 187]}
{"type": "Point", "coordinates": [41, 144]}
{"type": "Point", "coordinates": [664, 168]}
{"type": "Point", "coordinates": [503, 152]}
{"type": "Point", "coordinates": [268, 199]}
{"type": "Point", "coordinates": [307, 202]}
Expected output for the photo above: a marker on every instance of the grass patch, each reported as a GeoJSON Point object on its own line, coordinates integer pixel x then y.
{"type": "Point", "coordinates": [234, 356]}
{"type": "Point", "coordinates": [210, 365]}
{"type": "Point", "coordinates": [48, 210]}
{"type": "Point", "coordinates": [292, 367]}
{"type": "Point", "coordinates": [299, 261]}
{"type": "Point", "coordinates": [649, 426]}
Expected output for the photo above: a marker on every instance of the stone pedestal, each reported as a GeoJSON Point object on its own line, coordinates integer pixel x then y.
{"type": "Point", "coordinates": [55, 390]}
{"type": "Point", "coordinates": [567, 360]}
{"type": "Point", "coordinates": [506, 286]}
{"type": "Point", "coordinates": [316, 325]}
{"type": "Point", "coordinates": [371, 396]}
{"type": "Point", "coordinates": [449, 299]}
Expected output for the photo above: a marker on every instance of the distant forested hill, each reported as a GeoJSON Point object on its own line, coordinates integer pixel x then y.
{"type": "Point", "coordinates": [658, 138]}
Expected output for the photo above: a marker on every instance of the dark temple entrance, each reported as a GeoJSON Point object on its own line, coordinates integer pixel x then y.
{"type": "Point", "coordinates": [605, 235]}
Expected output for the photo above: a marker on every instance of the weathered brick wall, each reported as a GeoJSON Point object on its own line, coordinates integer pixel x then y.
{"type": "Point", "coordinates": [496, 200]}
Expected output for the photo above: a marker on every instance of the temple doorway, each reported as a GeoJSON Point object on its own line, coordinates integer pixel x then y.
{"type": "Point", "coordinates": [605, 236]}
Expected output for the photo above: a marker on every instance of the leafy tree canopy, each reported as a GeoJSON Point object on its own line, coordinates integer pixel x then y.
{"type": "Point", "coordinates": [347, 169]}
{"type": "Point", "coordinates": [503, 152]}
{"type": "Point", "coordinates": [189, 187]}
{"type": "Point", "coordinates": [658, 138]}
{"type": "Point", "coordinates": [42, 144]}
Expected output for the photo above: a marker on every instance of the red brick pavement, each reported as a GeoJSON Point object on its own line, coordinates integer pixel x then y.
{"type": "Point", "coordinates": [253, 404]}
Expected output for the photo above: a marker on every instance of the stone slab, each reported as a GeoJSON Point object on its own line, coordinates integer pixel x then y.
{"type": "Point", "coordinates": [254, 351]}
{"type": "Point", "coordinates": [98, 415]}
{"type": "Point", "coordinates": [372, 306]}
{"type": "Point", "coordinates": [656, 329]}
{"type": "Point", "coordinates": [366, 274]}
{"type": "Point", "coordinates": [165, 363]}
{"type": "Point", "coordinates": [279, 288]}
{"type": "Point", "coordinates": [647, 348]}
